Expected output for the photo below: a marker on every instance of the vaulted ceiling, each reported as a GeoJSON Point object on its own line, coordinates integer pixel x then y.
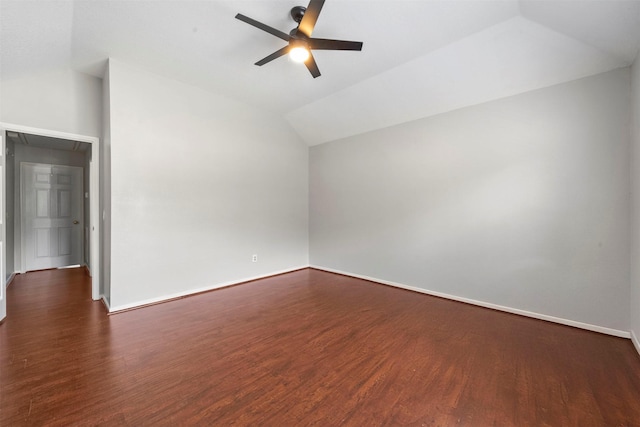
{"type": "Point", "coordinates": [419, 58]}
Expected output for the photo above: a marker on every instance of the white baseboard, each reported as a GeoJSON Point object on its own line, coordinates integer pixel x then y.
{"type": "Point", "coordinates": [635, 341]}
{"type": "Point", "coordinates": [105, 302]}
{"type": "Point", "coordinates": [170, 297]}
{"type": "Point", "coordinates": [11, 277]}
{"type": "Point", "coordinates": [587, 326]}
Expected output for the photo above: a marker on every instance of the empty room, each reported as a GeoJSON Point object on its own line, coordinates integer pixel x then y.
{"type": "Point", "coordinates": [340, 212]}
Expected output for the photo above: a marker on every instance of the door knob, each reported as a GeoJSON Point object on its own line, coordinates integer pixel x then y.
{"type": "Point", "coordinates": [75, 221]}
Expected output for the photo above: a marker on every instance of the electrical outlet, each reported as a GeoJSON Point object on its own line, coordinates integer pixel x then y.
{"type": "Point", "coordinates": [254, 258]}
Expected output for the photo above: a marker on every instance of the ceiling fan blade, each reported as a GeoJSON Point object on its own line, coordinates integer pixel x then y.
{"type": "Point", "coordinates": [277, 54]}
{"type": "Point", "coordinates": [310, 17]}
{"type": "Point", "coordinates": [312, 66]}
{"type": "Point", "coordinates": [328, 44]}
{"type": "Point", "coordinates": [264, 27]}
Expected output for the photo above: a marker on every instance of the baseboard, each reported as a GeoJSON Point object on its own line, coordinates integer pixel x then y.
{"type": "Point", "coordinates": [105, 303]}
{"type": "Point", "coordinates": [192, 292]}
{"type": "Point", "coordinates": [11, 277]}
{"type": "Point", "coordinates": [635, 341]}
{"type": "Point", "coordinates": [567, 322]}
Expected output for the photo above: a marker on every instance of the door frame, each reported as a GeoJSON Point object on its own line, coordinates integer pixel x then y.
{"type": "Point", "coordinates": [94, 195]}
{"type": "Point", "coordinates": [3, 180]}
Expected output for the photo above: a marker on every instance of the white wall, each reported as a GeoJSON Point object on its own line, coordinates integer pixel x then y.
{"type": "Point", "coordinates": [60, 100]}
{"type": "Point", "coordinates": [635, 206]}
{"type": "Point", "coordinates": [199, 183]}
{"type": "Point", "coordinates": [521, 202]}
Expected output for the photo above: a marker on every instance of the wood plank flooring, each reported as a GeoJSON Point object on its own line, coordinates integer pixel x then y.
{"type": "Point", "coordinates": [304, 348]}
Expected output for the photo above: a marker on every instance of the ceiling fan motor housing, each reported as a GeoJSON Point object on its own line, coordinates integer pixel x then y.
{"type": "Point", "coordinates": [297, 35]}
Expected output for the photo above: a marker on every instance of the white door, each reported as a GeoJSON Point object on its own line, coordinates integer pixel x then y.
{"type": "Point", "coordinates": [52, 216]}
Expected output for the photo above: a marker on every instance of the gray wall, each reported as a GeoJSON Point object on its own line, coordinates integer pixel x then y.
{"type": "Point", "coordinates": [199, 183]}
{"type": "Point", "coordinates": [635, 212]}
{"type": "Point", "coordinates": [521, 202]}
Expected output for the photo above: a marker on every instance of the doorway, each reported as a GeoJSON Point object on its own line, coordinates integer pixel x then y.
{"type": "Point", "coordinates": [50, 147]}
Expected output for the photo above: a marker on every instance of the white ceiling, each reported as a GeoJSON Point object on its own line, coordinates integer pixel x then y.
{"type": "Point", "coordinates": [419, 58]}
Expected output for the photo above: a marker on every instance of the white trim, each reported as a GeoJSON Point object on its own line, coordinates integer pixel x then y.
{"type": "Point", "coordinates": [3, 227]}
{"type": "Point", "coordinates": [94, 192]}
{"type": "Point", "coordinates": [587, 326]}
{"type": "Point", "coordinates": [199, 290]}
{"type": "Point", "coordinates": [49, 133]}
{"type": "Point", "coordinates": [10, 279]}
{"type": "Point", "coordinates": [69, 266]}
{"type": "Point", "coordinates": [94, 220]}
{"type": "Point", "coordinates": [635, 341]}
{"type": "Point", "coordinates": [106, 303]}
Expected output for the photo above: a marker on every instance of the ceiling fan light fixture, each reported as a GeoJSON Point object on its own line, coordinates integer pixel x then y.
{"type": "Point", "coordinates": [300, 42]}
{"type": "Point", "coordinates": [299, 54]}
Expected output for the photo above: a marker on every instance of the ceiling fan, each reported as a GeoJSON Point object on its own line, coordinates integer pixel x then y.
{"type": "Point", "coordinates": [300, 41]}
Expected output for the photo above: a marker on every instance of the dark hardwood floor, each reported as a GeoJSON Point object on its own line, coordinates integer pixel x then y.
{"type": "Point", "coordinates": [305, 348]}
